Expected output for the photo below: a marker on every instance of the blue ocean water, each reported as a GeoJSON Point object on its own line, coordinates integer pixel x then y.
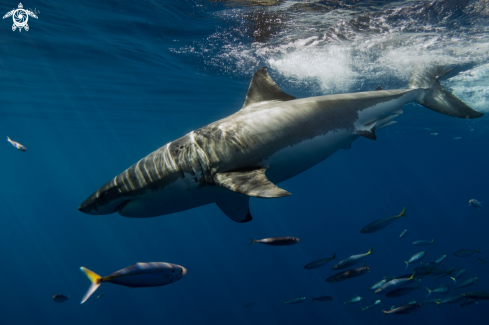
{"type": "Point", "coordinates": [92, 87]}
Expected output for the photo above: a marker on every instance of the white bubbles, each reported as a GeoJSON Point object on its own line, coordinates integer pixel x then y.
{"type": "Point", "coordinates": [472, 87]}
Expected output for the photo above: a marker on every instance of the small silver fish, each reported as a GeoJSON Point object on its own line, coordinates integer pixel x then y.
{"type": "Point", "coordinates": [424, 242]}
{"type": "Point", "coordinates": [276, 241]}
{"type": "Point", "coordinates": [441, 290]}
{"type": "Point", "coordinates": [353, 300]}
{"type": "Point", "coordinates": [375, 304]}
{"type": "Point", "coordinates": [415, 258]}
{"type": "Point", "coordinates": [17, 145]}
{"type": "Point", "coordinates": [406, 309]}
{"type": "Point", "coordinates": [319, 263]}
{"type": "Point", "coordinates": [382, 223]}
{"type": "Point", "coordinates": [323, 298]}
{"type": "Point", "coordinates": [466, 252]}
{"type": "Point", "coordinates": [467, 283]}
{"type": "Point", "coordinates": [295, 301]}
{"type": "Point", "coordinates": [403, 233]}
{"type": "Point", "coordinates": [352, 260]}
{"type": "Point", "coordinates": [476, 204]}
{"type": "Point", "coordinates": [458, 275]}
{"type": "Point", "coordinates": [380, 283]}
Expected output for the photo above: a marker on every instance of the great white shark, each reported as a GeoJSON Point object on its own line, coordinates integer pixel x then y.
{"type": "Point", "coordinates": [272, 138]}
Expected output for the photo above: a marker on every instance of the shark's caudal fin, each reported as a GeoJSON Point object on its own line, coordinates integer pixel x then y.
{"type": "Point", "coordinates": [249, 182]}
{"type": "Point", "coordinates": [263, 88]}
{"type": "Point", "coordinates": [95, 279]}
{"type": "Point", "coordinates": [438, 98]}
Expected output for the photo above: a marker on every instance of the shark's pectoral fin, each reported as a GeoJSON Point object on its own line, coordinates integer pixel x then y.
{"type": "Point", "coordinates": [249, 182]}
{"type": "Point", "coordinates": [263, 88]}
{"type": "Point", "coordinates": [237, 208]}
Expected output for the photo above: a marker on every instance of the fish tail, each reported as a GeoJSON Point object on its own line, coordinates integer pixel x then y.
{"type": "Point", "coordinates": [313, 298]}
{"type": "Point", "coordinates": [385, 313]}
{"type": "Point", "coordinates": [8, 139]}
{"type": "Point", "coordinates": [429, 292]}
{"type": "Point", "coordinates": [433, 241]}
{"type": "Point", "coordinates": [435, 97]}
{"type": "Point", "coordinates": [363, 309]}
{"type": "Point", "coordinates": [454, 280]}
{"type": "Point", "coordinates": [285, 302]}
{"type": "Point", "coordinates": [478, 250]}
{"type": "Point", "coordinates": [461, 306]}
{"type": "Point", "coordinates": [403, 213]}
{"type": "Point", "coordinates": [371, 251]}
{"type": "Point", "coordinates": [418, 287]}
{"type": "Point", "coordinates": [253, 241]}
{"type": "Point", "coordinates": [95, 279]}
{"type": "Point", "coordinates": [334, 256]}
{"type": "Point", "coordinates": [407, 264]}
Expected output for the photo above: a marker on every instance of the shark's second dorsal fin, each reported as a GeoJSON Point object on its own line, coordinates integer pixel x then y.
{"type": "Point", "coordinates": [263, 88]}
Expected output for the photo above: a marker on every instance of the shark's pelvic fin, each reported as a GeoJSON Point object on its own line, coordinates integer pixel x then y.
{"type": "Point", "coordinates": [263, 88]}
{"type": "Point", "coordinates": [236, 208]}
{"type": "Point", "coordinates": [249, 182]}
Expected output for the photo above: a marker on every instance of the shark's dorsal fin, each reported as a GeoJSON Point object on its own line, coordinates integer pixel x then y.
{"type": "Point", "coordinates": [263, 88]}
{"type": "Point", "coordinates": [249, 182]}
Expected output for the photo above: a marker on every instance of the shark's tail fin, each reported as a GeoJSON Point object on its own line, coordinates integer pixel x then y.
{"type": "Point", "coordinates": [95, 279]}
{"type": "Point", "coordinates": [436, 97]}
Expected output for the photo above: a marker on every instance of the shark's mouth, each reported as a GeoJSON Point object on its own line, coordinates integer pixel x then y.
{"type": "Point", "coordinates": [121, 206]}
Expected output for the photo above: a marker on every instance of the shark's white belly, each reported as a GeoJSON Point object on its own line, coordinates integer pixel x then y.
{"type": "Point", "coordinates": [297, 158]}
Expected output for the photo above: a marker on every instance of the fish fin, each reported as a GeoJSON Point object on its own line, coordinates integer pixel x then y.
{"type": "Point", "coordinates": [429, 292]}
{"type": "Point", "coordinates": [369, 134]}
{"type": "Point", "coordinates": [364, 264]}
{"type": "Point", "coordinates": [454, 280]}
{"type": "Point", "coordinates": [371, 251]}
{"type": "Point", "coordinates": [250, 182]}
{"type": "Point", "coordinates": [478, 250]}
{"type": "Point", "coordinates": [263, 88]}
{"type": "Point", "coordinates": [385, 313]}
{"type": "Point", "coordinates": [253, 241]}
{"type": "Point", "coordinates": [437, 98]}
{"type": "Point", "coordinates": [237, 208]}
{"type": "Point", "coordinates": [413, 276]}
{"type": "Point", "coordinates": [334, 256]}
{"type": "Point", "coordinates": [8, 139]}
{"type": "Point", "coordinates": [403, 213]}
{"type": "Point", "coordinates": [378, 88]}
{"type": "Point", "coordinates": [461, 306]}
{"type": "Point", "coordinates": [95, 279]}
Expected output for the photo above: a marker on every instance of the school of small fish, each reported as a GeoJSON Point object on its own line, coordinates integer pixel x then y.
{"type": "Point", "coordinates": [160, 273]}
